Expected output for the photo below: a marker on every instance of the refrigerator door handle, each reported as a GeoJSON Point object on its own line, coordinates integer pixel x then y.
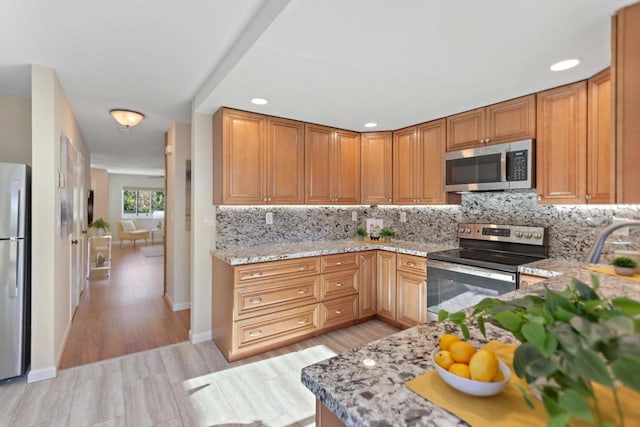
{"type": "Point", "coordinates": [14, 212]}
{"type": "Point", "coordinates": [14, 291]}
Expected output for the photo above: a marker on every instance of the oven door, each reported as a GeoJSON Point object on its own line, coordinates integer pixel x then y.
{"type": "Point", "coordinates": [454, 287]}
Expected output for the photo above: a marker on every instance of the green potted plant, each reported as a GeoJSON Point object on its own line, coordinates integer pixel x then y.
{"type": "Point", "coordinates": [361, 233]}
{"type": "Point", "coordinates": [100, 224]}
{"type": "Point", "coordinates": [624, 266]}
{"type": "Point", "coordinates": [570, 340]}
{"type": "Point", "coordinates": [388, 233]}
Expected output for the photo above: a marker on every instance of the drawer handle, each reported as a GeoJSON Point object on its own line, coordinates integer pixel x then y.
{"type": "Point", "coordinates": [411, 264]}
{"type": "Point", "coordinates": [338, 285]}
{"type": "Point", "coordinates": [339, 263]}
{"type": "Point", "coordinates": [303, 321]}
{"type": "Point", "coordinates": [256, 274]}
{"type": "Point", "coordinates": [304, 267]}
{"type": "Point", "coordinates": [303, 291]}
{"type": "Point", "coordinates": [255, 300]}
{"type": "Point", "coordinates": [255, 333]}
{"type": "Point", "coordinates": [341, 311]}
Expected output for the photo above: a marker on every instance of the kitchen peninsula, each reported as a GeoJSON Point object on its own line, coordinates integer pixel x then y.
{"type": "Point", "coordinates": [373, 393]}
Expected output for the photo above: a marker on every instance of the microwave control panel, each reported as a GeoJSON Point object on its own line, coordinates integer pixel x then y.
{"type": "Point", "coordinates": [517, 165]}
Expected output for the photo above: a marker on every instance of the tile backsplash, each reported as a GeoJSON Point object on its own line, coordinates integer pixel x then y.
{"type": "Point", "coordinates": [572, 228]}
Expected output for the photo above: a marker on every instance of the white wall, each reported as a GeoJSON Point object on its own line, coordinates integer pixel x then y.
{"type": "Point", "coordinates": [100, 187]}
{"type": "Point", "coordinates": [52, 117]}
{"type": "Point", "coordinates": [178, 237]}
{"type": "Point", "coordinates": [116, 183]}
{"type": "Point", "coordinates": [202, 226]}
{"type": "Point", "coordinates": [15, 130]}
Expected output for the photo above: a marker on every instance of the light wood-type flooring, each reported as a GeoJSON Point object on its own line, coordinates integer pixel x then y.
{"type": "Point", "coordinates": [124, 312]}
{"type": "Point", "coordinates": [182, 385]}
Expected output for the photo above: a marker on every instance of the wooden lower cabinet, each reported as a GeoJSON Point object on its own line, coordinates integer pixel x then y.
{"type": "Point", "coordinates": [412, 298]}
{"type": "Point", "coordinates": [386, 289]}
{"type": "Point", "coordinates": [326, 418]}
{"type": "Point", "coordinates": [367, 285]}
{"type": "Point", "coordinates": [339, 311]}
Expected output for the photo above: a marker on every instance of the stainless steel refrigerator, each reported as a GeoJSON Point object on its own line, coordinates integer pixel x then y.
{"type": "Point", "coordinates": [15, 252]}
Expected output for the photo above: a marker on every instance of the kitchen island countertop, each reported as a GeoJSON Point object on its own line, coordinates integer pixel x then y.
{"type": "Point", "coordinates": [362, 395]}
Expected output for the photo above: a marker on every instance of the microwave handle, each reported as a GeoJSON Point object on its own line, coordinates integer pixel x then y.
{"type": "Point", "coordinates": [503, 167]}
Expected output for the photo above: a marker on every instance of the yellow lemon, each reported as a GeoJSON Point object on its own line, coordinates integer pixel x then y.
{"type": "Point", "coordinates": [460, 369]}
{"type": "Point", "coordinates": [499, 376]}
{"type": "Point", "coordinates": [483, 366]}
{"type": "Point", "coordinates": [461, 351]}
{"type": "Point", "coordinates": [443, 358]}
{"type": "Point", "coordinates": [446, 340]}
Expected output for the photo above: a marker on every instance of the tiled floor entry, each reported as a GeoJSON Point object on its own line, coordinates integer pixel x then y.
{"type": "Point", "coordinates": [182, 385]}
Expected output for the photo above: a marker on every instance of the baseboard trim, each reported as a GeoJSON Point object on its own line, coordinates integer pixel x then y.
{"type": "Point", "coordinates": [64, 340]}
{"type": "Point", "coordinates": [181, 306]}
{"type": "Point", "coordinates": [201, 337]}
{"type": "Point", "coordinates": [41, 374]}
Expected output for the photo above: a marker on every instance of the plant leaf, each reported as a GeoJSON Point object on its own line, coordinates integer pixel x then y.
{"type": "Point", "coordinates": [510, 321]}
{"type": "Point", "coordinates": [465, 331]}
{"type": "Point", "coordinates": [525, 396]}
{"type": "Point", "coordinates": [482, 327]}
{"type": "Point", "coordinates": [556, 300]}
{"type": "Point", "coordinates": [442, 315]}
{"type": "Point", "coordinates": [559, 420]}
{"type": "Point", "coordinates": [457, 317]}
{"type": "Point", "coordinates": [627, 306]}
{"type": "Point", "coordinates": [538, 336]}
{"type": "Point", "coordinates": [540, 312]}
{"type": "Point", "coordinates": [486, 304]}
{"type": "Point", "coordinates": [585, 292]}
{"type": "Point", "coordinates": [589, 365]}
{"type": "Point", "coordinates": [595, 282]}
{"type": "Point", "coordinates": [540, 368]}
{"type": "Point", "coordinates": [576, 405]}
{"type": "Point", "coordinates": [626, 370]}
{"type": "Point", "coordinates": [524, 355]}
{"type": "Point", "coordinates": [566, 337]}
{"type": "Point", "coordinates": [621, 325]}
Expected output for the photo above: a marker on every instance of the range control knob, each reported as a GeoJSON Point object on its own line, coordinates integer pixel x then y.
{"type": "Point", "coordinates": [467, 230]}
{"type": "Point", "coordinates": [518, 234]}
{"type": "Point", "coordinates": [527, 235]}
{"type": "Point", "coordinates": [460, 230]}
{"type": "Point", "coordinates": [537, 236]}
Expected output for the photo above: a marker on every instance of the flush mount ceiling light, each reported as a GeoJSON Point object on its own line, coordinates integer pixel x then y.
{"type": "Point", "coordinates": [259, 101]}
{"type": "Point", "coordinates": [126, 118]}
{"type": "Point", "coordinates": [564, 65]}
{"type": "Point", "coordinates": [370, 125]}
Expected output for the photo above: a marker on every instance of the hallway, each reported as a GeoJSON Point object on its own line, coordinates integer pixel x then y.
{"type": "Point", "coordinates": [125, 312]}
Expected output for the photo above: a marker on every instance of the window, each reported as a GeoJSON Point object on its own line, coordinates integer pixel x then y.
{"type": "Point", "coordinates": [140, 202]}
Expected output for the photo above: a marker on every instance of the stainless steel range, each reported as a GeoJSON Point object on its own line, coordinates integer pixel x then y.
{"type": "Point", "coordinates": [485, 264]}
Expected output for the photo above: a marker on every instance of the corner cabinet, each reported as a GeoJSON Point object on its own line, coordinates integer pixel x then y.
{"type": "Point", "coordinates": [376, 160]}
{"type": "Point", "coordinates": [332, 165]}
{"type": "Point", "coordinates": [248, 168]}
{"type": "Point", "coordinates": [511, 120]}
{"type": "Point", "coordinates": [561, 146]}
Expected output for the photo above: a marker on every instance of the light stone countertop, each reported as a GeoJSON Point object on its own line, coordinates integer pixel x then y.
{"type": "Point", "coordinates": [255, 254]}
{"type": "Point", "coordinates": [376, 396]}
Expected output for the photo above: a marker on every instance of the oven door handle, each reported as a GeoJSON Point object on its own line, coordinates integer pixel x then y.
{"type": "Point", "coordinates": [474, 271]}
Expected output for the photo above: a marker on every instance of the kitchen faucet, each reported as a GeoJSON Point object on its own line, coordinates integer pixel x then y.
{"type": "Point", "coordinates": [596, 250]}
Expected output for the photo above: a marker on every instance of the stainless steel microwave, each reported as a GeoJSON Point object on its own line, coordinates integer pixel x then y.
{"type": "Point", "coordinates": [506, 166]}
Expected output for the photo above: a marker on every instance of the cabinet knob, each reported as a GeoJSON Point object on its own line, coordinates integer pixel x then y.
{"type": "Point", "coordinates": [411, 264]}
{"type": "Point", "coordinates": [539, 198]}
{"type": "Point", "coordinates": [588, 197]}
{"type": "Point", "coordinates": [304, 267]}
{"type": "Point", "coordinates": [339, 311]}
{"type": "Point", "coordinates": [255, 333]}
{"type": "Point", "coordinates": [74, 242]}
{"type": "Point", "coordinates": [339, 263]}
{"type": "Point", "coordinates": [255, 300]}
{"type": "Point", "coordinates": [303, 291]}
{"type": "Point", "coordinates": [338, 285]}
{"type": "Point", "coordinates": [265, 200]}
{"type": "Point", "coordinates": [303, 321]}
{"type": "Point", "coordinates": [389, 200]}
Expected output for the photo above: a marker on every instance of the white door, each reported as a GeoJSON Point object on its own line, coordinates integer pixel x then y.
{"type": "Point", "coordinates": [76, 180]}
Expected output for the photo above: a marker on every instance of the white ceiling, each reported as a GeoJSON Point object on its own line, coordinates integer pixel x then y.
{"type": "Point", "coordinates": [335, 62]}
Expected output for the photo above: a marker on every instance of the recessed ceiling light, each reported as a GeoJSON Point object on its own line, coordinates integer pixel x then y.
{"type": "Point", "coordinates": [259, 101]}
{"type": "Point", "coordinates": [564, 65]}
{"type": "Point", "coordinates": [370, 125]}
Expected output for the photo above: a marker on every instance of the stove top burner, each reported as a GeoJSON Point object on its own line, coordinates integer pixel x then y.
{"type": "Point", "coordinates": [503, 261]}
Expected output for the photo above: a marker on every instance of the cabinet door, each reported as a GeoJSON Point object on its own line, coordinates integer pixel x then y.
{"type": "Point", "coordinates": [367, 284]}
{"type": "Point", "coordinates": [285, 162]}
{"type": "Point", "coordinates": [346, 172]}
{"type": "Point", "coordinates": [431, 149]}
{"type": "Point", "coordinates": [404, 166]}
{"type": "Point", "coordinates": [600, 146]}
{"type": "Point", "coordinates": [562, 144]}
{"type": "Point", "coordinates": [511, 120]}
{"type": "Point", "coordinates": [318, 164]}
{"type": "Point", "coordinates": [466, 130]}
{"type": "Point", "coordinates": [375, 168]}
{"type": "Point", "coordinates": [412, 298]}
{"type": "Point", "coordinates": [386, 278]}
{"type": "Point", "coordinates": [243, 157]}
{"type": "Point", "coordinates": [626, 69]}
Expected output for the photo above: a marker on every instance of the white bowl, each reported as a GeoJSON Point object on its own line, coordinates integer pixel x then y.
{"type": "Point", "coordinates": [474, 388]}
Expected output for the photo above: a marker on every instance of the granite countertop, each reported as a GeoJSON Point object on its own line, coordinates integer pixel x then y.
{"type": "Point", "coordinates": [254, 254]}
{"type": "Point", "coordinates": [376, 396]}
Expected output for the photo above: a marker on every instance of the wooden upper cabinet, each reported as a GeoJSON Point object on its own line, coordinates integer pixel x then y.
{"type": "Point", "coordinates": [238, 157]}
{"type": "Point", "coordinates": [332, 165]}
{"type": "Point", "coordinates": [625, 71]}
{"type": "Point", "coordinates": [506, 121]}
{"type": "Point", "coordinates": [285, 162]}
{"type": "Point", "coordinates": [561, 145]}
{"type": "Point", "coordinates": [600, 143]}
{"type": "Point", "coordinates": [376, 160]}
{"type": "Point", "coordinates": [431, 148]}
{"type": "Point", "coordinates": [257, 159]}
{"type": "Point", "coordinates": [404, 166]}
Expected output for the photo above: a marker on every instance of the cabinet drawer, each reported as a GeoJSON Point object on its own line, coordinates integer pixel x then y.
{"type": "Point", "coordinates": [339, 284]}
{"type": "Point", "coordinates": [266, 270]}
{"type": "Point", "coordinates": [264, 298]}
{"type": "Point", "coordinates": [412, 264]}
{"type": "Point", "coordinates": [339, 311]}
{"type": "Point", "coordinates": [339, 262]}
{"type": "Point", "coordinates": [272, 328]}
